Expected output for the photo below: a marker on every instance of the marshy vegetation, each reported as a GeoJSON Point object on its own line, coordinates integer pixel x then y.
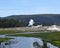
{"type": "Point", "coordinates": [4, 39]}
{"type": "Point", "coordinates": [8, 31]}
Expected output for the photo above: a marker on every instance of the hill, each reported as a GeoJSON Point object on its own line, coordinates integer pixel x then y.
{"type": "Point", "coordinates": [46, 19]}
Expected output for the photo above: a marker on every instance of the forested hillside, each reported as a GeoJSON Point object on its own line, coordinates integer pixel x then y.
{"type": "Point", "coordinates": [38, 18]}
{"type": "Point", "coordinates": [23, 20]}
{"type": "Point", "coordinates": [7, 23]}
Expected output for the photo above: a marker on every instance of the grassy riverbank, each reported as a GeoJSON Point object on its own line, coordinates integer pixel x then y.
{"type": "Point", "coordinates": [15, 31]}
{"type": "Point", "coordinates": [4, 39]}
{"type": "Point", "coordinates": [9, 31]}
{"type": "Point", "coordinates": [52, 37]}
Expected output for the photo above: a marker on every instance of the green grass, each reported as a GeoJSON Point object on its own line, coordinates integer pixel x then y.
{"type": "Point", "coordinates": [52, 37]}
{"type": "Point", "coordinates": [9, 31]}
{"type": "Point", "coordinates": [4, 39]}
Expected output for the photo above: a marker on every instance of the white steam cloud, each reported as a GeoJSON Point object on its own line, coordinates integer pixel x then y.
{"type": "Point", "coordinates": [31, 22]}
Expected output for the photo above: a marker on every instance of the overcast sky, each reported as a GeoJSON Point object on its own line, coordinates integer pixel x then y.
{"type": "Point", "coordinates": [20, 7]}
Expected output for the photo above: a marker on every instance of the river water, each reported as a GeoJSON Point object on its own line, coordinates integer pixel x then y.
{"type": "Point", "coordinates": [24, 42]}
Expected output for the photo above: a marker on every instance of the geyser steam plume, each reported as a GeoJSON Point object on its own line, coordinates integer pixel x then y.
{"type": "Point", "coordinates": [31, 22]}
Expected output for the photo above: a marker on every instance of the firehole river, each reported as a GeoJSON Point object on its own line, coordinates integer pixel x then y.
{"type": "Point", "coordinates": [23, 42]}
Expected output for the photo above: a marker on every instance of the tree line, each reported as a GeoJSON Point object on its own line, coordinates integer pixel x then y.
{"type": "Point", "coordinates": [7, 23]}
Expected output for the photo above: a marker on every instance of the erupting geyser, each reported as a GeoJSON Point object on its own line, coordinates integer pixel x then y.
{"type": "Point", "coordinates": [31, 22]}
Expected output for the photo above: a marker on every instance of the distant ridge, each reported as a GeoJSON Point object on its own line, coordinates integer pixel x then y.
{"type": "Point", "coordinates": [38, 18]}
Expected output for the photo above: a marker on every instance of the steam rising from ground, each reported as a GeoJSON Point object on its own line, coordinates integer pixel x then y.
{"type": "Point", "coordinates": [31, 22]}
